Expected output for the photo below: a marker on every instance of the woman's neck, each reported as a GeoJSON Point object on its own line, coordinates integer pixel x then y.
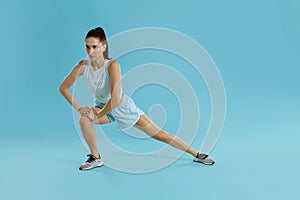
{"type": "Point", "coordinates": [97, 64]}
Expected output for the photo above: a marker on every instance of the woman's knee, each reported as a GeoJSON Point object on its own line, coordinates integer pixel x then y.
{"type": "Point", "coordinates": [163, 136]}
{"type": "Point", "coordinates": [83, 121]}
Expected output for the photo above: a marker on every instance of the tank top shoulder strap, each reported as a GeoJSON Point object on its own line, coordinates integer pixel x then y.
{"type": "Point", "coordinates": [107, 63]}
{"type": "Point", "coordinates": [87, 68]}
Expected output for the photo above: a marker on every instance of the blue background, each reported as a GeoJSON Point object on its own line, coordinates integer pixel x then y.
{"type": "Point", "coordinates": [256, 47]}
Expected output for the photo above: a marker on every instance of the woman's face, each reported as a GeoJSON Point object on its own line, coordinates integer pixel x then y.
{"type": "Point", "coordinates": [94, 48]}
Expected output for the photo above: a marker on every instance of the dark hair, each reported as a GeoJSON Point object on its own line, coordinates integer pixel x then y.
{"type": "Point", "coordinates": [100, 34]}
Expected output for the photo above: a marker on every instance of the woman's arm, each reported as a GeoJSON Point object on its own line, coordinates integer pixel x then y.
{"type": "Point", "coordinates": [114, 72]}
{"type": "Point", "coordinates": [77, 71]}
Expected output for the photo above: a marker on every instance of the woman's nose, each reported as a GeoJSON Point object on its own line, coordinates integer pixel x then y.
{"type": "Point", "coordinates": [91, 51]}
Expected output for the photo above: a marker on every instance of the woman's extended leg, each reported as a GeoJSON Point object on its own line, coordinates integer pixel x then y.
{"type": "Point", "coordinates": [148, 126]}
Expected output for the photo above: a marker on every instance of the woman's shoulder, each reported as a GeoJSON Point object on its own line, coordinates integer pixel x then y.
{"type": "Point", "coordinates": [81, 66]}
{"type": "Point", "coordinates": [113, 62]}
{"type": "Point", "coordinates": [113, 66]}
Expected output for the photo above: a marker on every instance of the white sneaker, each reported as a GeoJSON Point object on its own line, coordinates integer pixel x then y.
{"type": "Point", "coordinates": [91, 162]}
{"type": "Point", "coordinates": [204, 158]}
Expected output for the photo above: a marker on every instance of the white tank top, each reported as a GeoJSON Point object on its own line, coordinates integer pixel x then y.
{"type": "Point", "coordinates": [98, 81]}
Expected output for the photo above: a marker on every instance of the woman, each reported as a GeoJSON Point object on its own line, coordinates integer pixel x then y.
{"type": "Point", "coordinates": [103, 77]}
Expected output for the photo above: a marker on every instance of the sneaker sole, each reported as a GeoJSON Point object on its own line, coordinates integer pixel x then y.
{"type": "Point", "coordinates": [92, 167]}
{"type": "Point", "coordinates": [203, 162]}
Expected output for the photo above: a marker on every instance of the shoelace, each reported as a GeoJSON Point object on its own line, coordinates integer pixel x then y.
{"type": "Point", "coordinates": [91, 158]}
{"type": "Point", "coordinates": [202, 155]}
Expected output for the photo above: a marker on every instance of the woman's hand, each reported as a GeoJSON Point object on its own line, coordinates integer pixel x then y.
{"type": "Point", "coordinates": [90, 113]}
{"type": "Point", "coordinates": [83, 110]}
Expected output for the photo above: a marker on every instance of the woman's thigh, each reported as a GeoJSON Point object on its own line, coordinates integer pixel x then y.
{"type": "Point", "coordinates": [102, 120]}
{"type": "Point", "coordinates": [147, 125]}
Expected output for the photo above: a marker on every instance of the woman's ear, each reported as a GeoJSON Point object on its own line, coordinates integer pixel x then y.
{"type": "Point", "coordinates": [103, 46]}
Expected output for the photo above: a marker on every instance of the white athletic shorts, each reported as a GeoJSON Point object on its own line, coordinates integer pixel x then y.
{"type": "Point", "coordinates": [126, 113]}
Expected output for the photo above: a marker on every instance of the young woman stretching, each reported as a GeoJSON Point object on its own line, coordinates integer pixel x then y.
{"type": "Point", "coordinates": [103, 77]}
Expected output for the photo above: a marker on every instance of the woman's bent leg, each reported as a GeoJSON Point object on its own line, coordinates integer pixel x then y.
{"type": "Point", "coordinates": [89, 133]}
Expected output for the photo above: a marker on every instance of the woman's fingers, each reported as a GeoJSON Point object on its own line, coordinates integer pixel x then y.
{"type": "Point", "coordinates": [91, 115]}
{"type": "Point", "coordinates": [84, 110]}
